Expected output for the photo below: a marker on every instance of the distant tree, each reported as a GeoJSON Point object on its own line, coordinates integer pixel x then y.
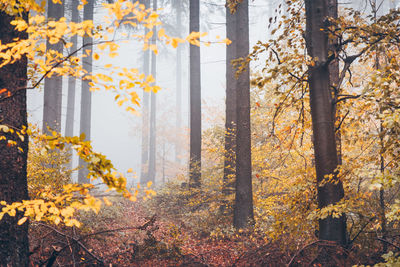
{"type": "Point", "coordinates": [14, 246]}
{"type": "Point", "coordinates": [153, 129]}
{"type": "Point", "coordinates": [178, 5]}
{"type": "Point", "coordinates": [86, 96]}
{"type": "Point", "coordinates": [145, 115]}
{"type": "Point", "coordinates": [69, 122]}
{"type": "Point", "coordinates": [243, 208]}
{"type": "Point", "coordinates": [195, 98]}
{"type": "Point", "coordinates": [53, 85]}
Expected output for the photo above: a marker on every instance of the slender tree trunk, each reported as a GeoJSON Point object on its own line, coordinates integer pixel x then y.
{"type": "Point", "coordinates": [14, 245]}
{"type": "Point", "coordinates": [86, 96]}
{"type": "Point", "coordinates": [326, 159]}
{"type": "Point", "coordinates": [195, 99]}
{"type": "Point", "coordinates": [382, 206]}
{"type": "Point", "coordinates": [178, 125]}
{"type": "Point", "coordinates": [152, 155]}
{"type": "Point", "coordinates": [230, 106]}
{"type": "Point", "coordinates": [69, 123]}
{"type": "Point", "coordinates": [53, 85]}
{"type": "Point", "coordinates": [243, 209]}
{"type": "Point", "coordinates": [145, 116]}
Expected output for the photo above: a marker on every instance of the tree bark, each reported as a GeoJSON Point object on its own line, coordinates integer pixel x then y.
{"type": "Point", "coordinates": [14, 245]}
{"type": "Point", "coordinates": [195, 99]}
{"type": "Point", "coordinates": [243, 209]}
{"type": "Point", "coordinates": [178, 4]}
{"type": "Point", "coordinates": [326, 158]}
{"type": "Point", "coordinates": [53, 85]}
{"type": "Point", "coordinates": [230, 106]}
{"type": "Point", "coordinates": [86, 96]}
{"type": "Point", "coordinates": [334, 79]}
{"type": "Point", "coordinates": [145, 116]}
{"type": "Point", "coordinates": [152, 155]}
{"type": "Point", "coordinates": [69, 122]}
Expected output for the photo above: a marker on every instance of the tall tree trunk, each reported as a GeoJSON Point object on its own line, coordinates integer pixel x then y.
{"type": "Point", "coordinates": [178, 126]}
{"type": "Point", "coordinates": [325, 153]}
{"type": "Point", "coordinates": [145, 115]}
{"type": "Point", "coordinates": [195, 99]}
{"type": "Point", "coordinates": [86, 97]}
{"type": "Point", "coordinates": [230, 106]}
{"type": "Point", "coordinates": [243, 209]}
{"type": "Point", "coordinates": [53, 85]}
{"type": "Point", "coordinates": [14, 245]}
{"type": "Point", "coordinates": [153, 129]}
{"type": "Point", "coordinates": [69, 123]}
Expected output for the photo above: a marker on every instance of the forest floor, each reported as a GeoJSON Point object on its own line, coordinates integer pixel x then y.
{"type": "Point", "coordinates": [134, 234]}
{"type": "Point", "coordinates": [126, 234]}
{"type": "Point", "coordinates": [163, 241]}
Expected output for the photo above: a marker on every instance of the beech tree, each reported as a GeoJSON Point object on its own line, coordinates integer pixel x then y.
{"type": "Point", "coordinates": [153, 105]}
{"type": "Point", "coordinates": [70, 116]}
{"type": "Point", "coordinates": [330, 191]}
{"type": "Point", "coordinates": [230, 102]}
{"type": "Point", "coordinates": [53, 85]}
{"type": "Point", "coordinates": [178, 5]}
{"type": "Point", "coordinates": [195, 99]}
{"type": "Point", "coordinates": [145, 115]}
{"type": "Point", "coordinates": [69, 122]}
{"type": "Point", "coordinates": [243, 207]}
{"type": "Point", "coordinates": [14, 246]}
{"type": "Point", "coordinates": [86, 96]}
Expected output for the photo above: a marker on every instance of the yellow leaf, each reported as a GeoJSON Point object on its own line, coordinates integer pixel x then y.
{"type": "Point", "coordinates": [22, 220]}
{"type": "Point", "coordinates": [107, 202]}
{"type": "Point", "coordinates": [161, 33]}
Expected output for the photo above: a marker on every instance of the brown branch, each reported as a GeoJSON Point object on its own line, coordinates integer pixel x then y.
{"type": "Point", "coordinates": [347, 97]}
{"type": "Point", "coordinates": [388, 242]}
{"type": "Point", "coordinates": [327, 243]}
{"type": "Point", "coordinates": [342, 120]}
{"type": "Point", "coordinates": [77, 240]}
{"type": "Point", "coordinates": [55, 253]}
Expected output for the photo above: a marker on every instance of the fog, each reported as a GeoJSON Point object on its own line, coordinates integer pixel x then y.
{"type": "Point", "coordinates": [117, 133]}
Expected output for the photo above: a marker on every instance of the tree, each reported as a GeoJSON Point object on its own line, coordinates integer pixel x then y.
{"type": "Point", "coordinates": [14, 246]}
{"type": "Point", "coordinates": [53, 85]}
{"type": "Point", "coordinates": [195, 99]}
{"type": "Point", "coordinates": [86, 97]}
{"type": "Point", "coordinates": [230, 106]}
{"type": "Point", "coordinates": [145, 115]}
{"type": "Point", "coordinates": [243, 208]}
{"type": "Point", "coordinates": [330, 191]}
{"type": "Point", "coordinates": [178, 5]}
{"type": "Point", "coordinates": [69, 123]}
{"type": "Point", "coordinates": [153, 99]}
